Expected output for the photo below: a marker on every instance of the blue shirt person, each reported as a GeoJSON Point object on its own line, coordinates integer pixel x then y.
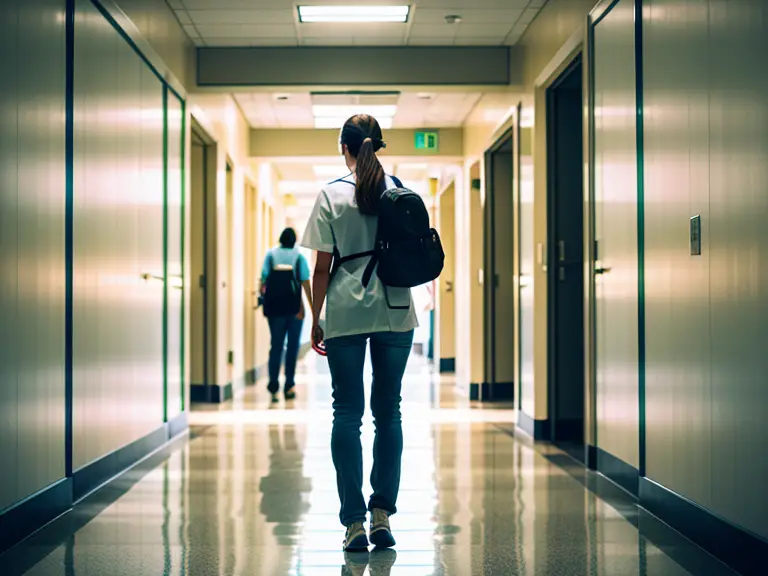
{"type": "Point", "coordinates": [286, 256]}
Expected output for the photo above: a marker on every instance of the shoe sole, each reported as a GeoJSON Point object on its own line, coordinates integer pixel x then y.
{"type": "Point", "coordinates": [358, 544]}
{"type": "Point", "coordinates": [382, 539]}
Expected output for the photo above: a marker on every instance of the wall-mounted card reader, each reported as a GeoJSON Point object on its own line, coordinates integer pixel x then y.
{"type": "Point", "coordinates": [695, 233]}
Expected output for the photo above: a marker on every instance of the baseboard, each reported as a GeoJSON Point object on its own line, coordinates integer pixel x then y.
{"type": "Point", "coordinates": [569, 430]}
{"type": "Point", "coordinates": [178, 425]}
{"type": "Point", "coordinates": [212, 393]}
{"type": "Point", "coordinates": [591, 454]}
{"type": "Point", "coordinates": [622, 474]}
{"type": "Point", "coordinates": [740, 549]}
{"type": "Point", "coordinates": [26, 517]}
{"type": "Point", "coordinates": [498, 392]}
{"type": "Point", "coordinates": [91, 476]}
{"type": "Point", "coordinates": [35, 511]}
{"type": "Point", "coordinates": [447, 365]}
{"type": "Point", "coordinates": [536, 429]}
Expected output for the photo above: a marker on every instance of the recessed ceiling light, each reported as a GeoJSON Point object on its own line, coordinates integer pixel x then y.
{"type": "Point", "coordinates": [453, 19]}
{"type": "Point", "coordinates": [338, 121]}
{"type": "Point", "coordinates": [309, 14]}
{"type": "Point", "coordinates": [282, 97]}
{"type": "Point", "coordinates": [424, 96]}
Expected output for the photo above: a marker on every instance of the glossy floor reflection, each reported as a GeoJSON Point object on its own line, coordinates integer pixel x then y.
{"type": "Point", "coordinates": [252, 492]}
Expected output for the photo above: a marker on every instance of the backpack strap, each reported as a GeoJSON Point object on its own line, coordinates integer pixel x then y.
{"type": "Point", "coordinates": [397, 181]}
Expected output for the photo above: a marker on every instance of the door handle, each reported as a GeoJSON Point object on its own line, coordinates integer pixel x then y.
{"type": "Point", "coordinates": [602, 270]}
{"type": "Point", "coordinates": [449, 286]}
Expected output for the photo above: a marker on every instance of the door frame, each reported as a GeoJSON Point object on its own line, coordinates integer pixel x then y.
{"type": "Point", "coordinates": [552, 393]}
{"type": "Point", "coordinates": [208, 280]}
{"type": "Point", "coordinates": [599, 12]}
{"type": "Point", "coordinates": [509, 136]}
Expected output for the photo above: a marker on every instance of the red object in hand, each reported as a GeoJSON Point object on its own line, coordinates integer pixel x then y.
{"type": "Point", "coordinates": [318, 344]}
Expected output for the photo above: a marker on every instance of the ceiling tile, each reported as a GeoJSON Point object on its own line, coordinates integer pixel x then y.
{"type": "Point", "coordinates": [483, 30]}
{"type": "Point", "coordinates": [252, 41]}
{"type": "Point", "coordinates": [236, 4]}
{"type": "Point", "coordinates": [191, 31]}
{"type": "Point", "coordinates": [351, 31]}
{"type": "Point", "coordinates": [472, 16]}
{"type": "Point", "coordinates": [176, 4]}
{"type": "Point", "coordinates": [470, 41]}
{"type": "Point", "coordinates": [432, 31]}
{"type": "Point", "coordinates": [378, 41]}
{"type": "Point", "coordinates": [427, 41]}
{"type": "Point", "coordinates": [458, 5]}
{"type": "Point", "coordinates": [242, 16]}
{"type": "Point", "coordinates": [199, 42]}
{"type": "Point", "coordinates": [183, 17]}
{"type": "Point", "coordinates": [246, 31]}
{"type": "Point", "coordinates": [326, 41]}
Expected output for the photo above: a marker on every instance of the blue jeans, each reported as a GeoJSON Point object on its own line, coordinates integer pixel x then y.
{"type": "Point", "coordinates": [279, 328]}
{"type": "Point", "coordinates": [346, 358]}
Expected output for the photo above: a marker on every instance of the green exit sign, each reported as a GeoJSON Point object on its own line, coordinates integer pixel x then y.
{"type": "Point", "coordinates": [427, 141]}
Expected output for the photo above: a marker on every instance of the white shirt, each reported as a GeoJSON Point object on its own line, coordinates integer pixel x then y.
{"type": "Point", "coordinates": [352, 308]}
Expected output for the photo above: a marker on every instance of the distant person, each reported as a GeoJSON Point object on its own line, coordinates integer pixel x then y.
{"type": "Point", "coordinates": [360, 309]}
{"type": "Point", "coordinates": [284, 273]}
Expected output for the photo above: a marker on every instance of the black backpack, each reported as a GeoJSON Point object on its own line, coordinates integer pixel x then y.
{"type": "Point", "coordinates": [283, 294]}
{"type": "Point", "coordinates": [408, 252]}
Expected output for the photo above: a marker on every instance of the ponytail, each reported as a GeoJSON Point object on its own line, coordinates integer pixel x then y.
{"type": "Point", "coordinates": [370, 177]}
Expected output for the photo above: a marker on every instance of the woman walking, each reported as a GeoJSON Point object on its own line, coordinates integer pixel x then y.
{"type": "Point", "coordinates": [344, 224]}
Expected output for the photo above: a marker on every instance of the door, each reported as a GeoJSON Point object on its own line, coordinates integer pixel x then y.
{"type": "Point", "coordinates": [616, 255]}
{"type": "Point", "coordinates": [566, 272]}
{"type": "Point", "coordinates": [174, 272]}
{"type": "Point", "coordinates": [199, 265]}
{"type": "Point", "coordinates": [447, 321]}
{"type": "Point", "coordinates": [499, 277]}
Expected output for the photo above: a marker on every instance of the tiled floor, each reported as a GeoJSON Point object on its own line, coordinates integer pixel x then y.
{"type": "Point", "coordinates": [252, 492]}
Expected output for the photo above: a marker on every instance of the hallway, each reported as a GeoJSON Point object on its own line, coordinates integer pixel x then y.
{"type": "Point", "coordinates": [252, 492]}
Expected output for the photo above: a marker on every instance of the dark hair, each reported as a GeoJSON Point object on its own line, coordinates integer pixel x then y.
{"type": "Point", "coordinates": [288, 238]}
{"type": "Point", "coordinates": [362, 137]}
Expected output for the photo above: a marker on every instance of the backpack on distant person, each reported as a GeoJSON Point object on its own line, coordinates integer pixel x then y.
{"type": "Point", "coordinates": [282, 296]}
{"type": "Point", "coordinates": [408, 252]}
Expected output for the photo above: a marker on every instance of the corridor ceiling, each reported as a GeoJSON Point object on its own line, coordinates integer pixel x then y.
{"type": "Point", "coordinates": [414, 109]}
{"type": "Point", "coordinates": [276, 23]}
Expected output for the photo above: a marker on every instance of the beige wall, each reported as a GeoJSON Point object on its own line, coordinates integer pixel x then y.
{"type": "Point", "coordinates": [228, 127]}
{"type": "Point", "coordinates": [272, 143]}
{"type": "Point", "coordinates": [548, 45]}
{"type": "Point", "coordinates": [447, 282]}
{"type": "Point", "coordinates": [158, 26]}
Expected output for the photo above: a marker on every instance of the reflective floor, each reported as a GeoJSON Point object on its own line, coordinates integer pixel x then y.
{"type": "Point", "coordinates": [252, 492]}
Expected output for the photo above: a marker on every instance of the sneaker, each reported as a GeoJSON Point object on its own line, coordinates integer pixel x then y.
{"type": "Point", "coordinates": [381, 534]}
{"type": "Point", "coordinates": [275, 398]}
{"type": "Point", "coordinates": [290, 394]}
{"type": "Point", "coordinates": [356, 539]}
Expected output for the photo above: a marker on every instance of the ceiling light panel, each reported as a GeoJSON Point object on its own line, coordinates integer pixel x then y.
{"type": "Point", "coordinates": [347, 14]}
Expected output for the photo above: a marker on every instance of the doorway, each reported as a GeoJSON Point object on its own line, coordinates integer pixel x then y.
{"type": "Point", "coordinates": [252, 273]}
{"type": "Point", "coordinates": [565, 229]}
{"type": "Point", "coordinates": [447, 281]}
{"type": "Point", "coordinates": [499, 275]}
{"type": "Point", "coordinates": [202, 261]}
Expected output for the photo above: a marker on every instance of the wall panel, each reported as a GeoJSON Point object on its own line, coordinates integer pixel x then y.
{"type": "Point", "coordinates": [616, 233]}
{"type": "Point", "coordinates": [32, 197]}
{"type": "Point", "coordinates": [174, 264]}
{"type": "Point", "coordinates": [678, 383]}
{"type": "Point", "coordinates": [118, 242]}
{"type": "Point", "coordinates": [707, 154]}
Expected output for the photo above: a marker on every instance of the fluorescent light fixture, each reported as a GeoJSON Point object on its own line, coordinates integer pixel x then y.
{"type": "Point", "coordinates": [378, 112]}
{"type": "Point", "coordinates": [338, 122]}
{"type": "Point", "coordinates": [342, 14]}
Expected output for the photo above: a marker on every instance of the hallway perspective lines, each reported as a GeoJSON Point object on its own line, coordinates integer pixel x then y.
{"type": "Point", "coordinates": [253, 492]}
